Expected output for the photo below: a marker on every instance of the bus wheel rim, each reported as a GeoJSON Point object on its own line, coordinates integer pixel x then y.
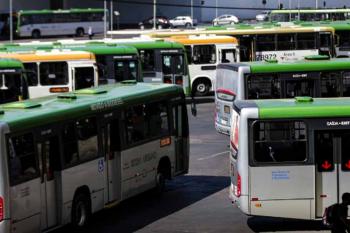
{"type": "Point", "coordinates": [201, 87]}
{"type": "Point", "coordinates": [81, 214]}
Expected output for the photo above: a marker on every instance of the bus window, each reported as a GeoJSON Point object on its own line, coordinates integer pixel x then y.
{"type": "Point", "coordinates": [346, 84]}
{"type": "Point", "coordinates": [87, 139]}
{"type": "Point", "coordinates": [32, 75]}
{"type": "Point", "coordinates": [189, 53]}
{"type": "Point", "coordinates": [125, 70]}
{"type": "Point", "coordinates": [330, 86]}
{"type": "Point", "coordinates": [22, 158]}
{"type": "Point", "coordinates": [286, 42]}
{"type": "Point", "coordinates": [10, 90]}
{"type": "Point", "coordinates": [70, 146]}
{"type": "Point", "coordinates": [324, 150]}
{"type": "Point", "coordinates": [147, 59]}
{"type": "Point", "coordinates": [279, 141]}
{"type": "Point", "coordinates": [302, 87]}
{"type": "Point", "coordinates": [263, 87]}
{"type": "Point", "coordinates": [306, 41]}
{"type": "Point", "coordinates": [228, 56]}
{"type": "Point", "coordinates": [157, 117]}
{"type": "Point", "coordinates": [344, 39]}
{"type": "Point", "coordinates": [84, 77]}
{"type": "Point", "coordinates": [265, 43]}
{"type": "Point", "coordinates": [135, 124]}
{"type": "Point", "coordinates": [53, 73]}
{"type": "Point", "coordinates": [204, 54]}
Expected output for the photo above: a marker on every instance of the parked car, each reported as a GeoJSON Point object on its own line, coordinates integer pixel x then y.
{"type": "Point", "coordinates": [225, 19]}
{"type": "Point", "coordinates": [181, 21]}
{"type": "Point", "coordinates": [263, 16]}
{"type": "Point", "coordinates": [161, 22]}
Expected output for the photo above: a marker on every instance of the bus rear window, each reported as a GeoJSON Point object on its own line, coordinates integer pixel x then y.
{"type": "Point", "coordinates": [279, 141]}
{"type": "Point", "coordinates": [10, 87]}
{"type": "Point", "coordinates": [263, 87]}
{"type": "Point", "coordinates": [53, 73]}
{"type": "Point", "coordinates": [147, 59]}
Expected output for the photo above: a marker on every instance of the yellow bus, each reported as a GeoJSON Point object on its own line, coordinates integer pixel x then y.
{"type": "Point", "coordinates": [56, 71]}
{"type": "Point", "coordinates": [204, 53]}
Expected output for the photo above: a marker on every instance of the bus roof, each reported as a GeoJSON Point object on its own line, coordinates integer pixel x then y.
{"type": "Point", "coordinates": [8, 63]}
{"type": "Point", "coordinates": [157, 44]}
{"type": "Point", "coordinates": [330, 10]}
{"type": "Point", "coordinates": [73, 10]}
{"type": "Point", "coordinates": [189, 40]}
{"type": "Point", "coordinates": [337, 25]}
{"type": "Point", "coordinates": [244, 31]}
{"type": "Point", "coordinates": [99, 48]}
{"type": "Point", "coordinates": [47, 110]}
{"type": "Point", "coordinates": [293, 66]}
{"type": "Point", "coordinates": [299, 107]}
{"type": "Point", "coordinates": [53, 55]}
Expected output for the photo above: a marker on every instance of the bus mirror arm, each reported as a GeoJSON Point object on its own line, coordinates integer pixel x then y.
{"type": "Point", "coordinates": [193, 107]}
{"type": "Point", "coordinates": [337, 40]}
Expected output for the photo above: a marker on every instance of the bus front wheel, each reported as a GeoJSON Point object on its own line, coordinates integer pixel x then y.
{"type": "Point", "coordinates": [201, 87]}
{"type": "Point", "coordinates": [81, 210]}
{"type": "Point", "coordinates": [36, 34]}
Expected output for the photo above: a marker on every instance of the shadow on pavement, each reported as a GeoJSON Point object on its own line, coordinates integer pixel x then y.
{"type": "Point", "coordinates": [267, 224]}
{"type": "Point", "coordinates": [144, 209]}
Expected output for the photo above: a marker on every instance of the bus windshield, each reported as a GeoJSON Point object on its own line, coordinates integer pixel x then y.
{"type": "Point", "coordinates": [10, 87]}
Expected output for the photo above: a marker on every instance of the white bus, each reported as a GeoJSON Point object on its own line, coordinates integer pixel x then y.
{"type": "Point", "coordinates": [65, 157]}
{"type": "Point", "coordinates": [290, 158]}
{"type": "Point", "coordinates": [316, 76]}
{"type": "Point", "coordinates": [56, 71]}
{"type": "Point", "coordinates": [38, 23]}
{"type": "Point", "coordinates": [204, 53]}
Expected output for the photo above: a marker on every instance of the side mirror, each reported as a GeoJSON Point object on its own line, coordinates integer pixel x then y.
{"type": "Point", "coordinates": [193, 107]}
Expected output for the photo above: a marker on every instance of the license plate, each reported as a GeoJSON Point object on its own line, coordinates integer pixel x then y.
{"type": "Point", "coordinates": [227, 109]}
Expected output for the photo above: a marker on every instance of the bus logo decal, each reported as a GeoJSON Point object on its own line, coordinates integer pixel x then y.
{"type": "Point", "coordinates": [106, 104]}
{"type": "Point", "coordinates": [101, 165]}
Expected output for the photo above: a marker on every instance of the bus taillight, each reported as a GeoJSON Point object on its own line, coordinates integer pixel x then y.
{"type": "Point", "coordinates": [1, 209]}
{"type": "Point", "coordinates": [179, 80]}
{"type": "Point", "coordinates": [239, 186]}
{"type": "Point", "coordinates": [59, 89]}
{"type": "Point", "coordinates": [168, 80]}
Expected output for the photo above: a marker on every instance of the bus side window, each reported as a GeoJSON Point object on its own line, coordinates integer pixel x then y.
{"type": "Point", "coordinates": [70, 146]}
{"type": "Point", "coordinates": [135, 124]}
{"type": "Point", "coordinates": [330, 84]}
{"type": "Point", "coordinates": [32, 74]}
{"type": "Point", "coordinates": [346, 84]}
{"type": "Point", "coordinates": [87, 139]}
{"type": "Point", "coordinates": [23, 164]}
{"type": "Point", "coordinates": [53, 73]}
{"type": "Point", "coordinates": [157, 119]}
{"type": "Point", "coordinates": [204, 54]}
{"type": "Point", "coordinates": [279, 142]}
{"type": "Point", "coordinates": [265, 43]}
{"type": "Point", "coordinates": [228, 56]}
{"type": "Point", "coordinates": [306, 41]}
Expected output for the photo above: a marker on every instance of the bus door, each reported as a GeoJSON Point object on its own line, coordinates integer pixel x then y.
{"type": "Point", "coordinates": [246, 44]}
{"type": "Point", "coordinates": [180, 132]}
{"type": "Point", "coordinates": [299, 84]}
{"type": "Point", "coordinates": [49, 163]}
{"type": "Point", "coordinates": [332, 157]}
{"type": "Point", "coordinates": [173, 67]}
{"type": "Point", "coordinates": [112, 145]}
{"type": "Point", "coordinates": [84, 77]}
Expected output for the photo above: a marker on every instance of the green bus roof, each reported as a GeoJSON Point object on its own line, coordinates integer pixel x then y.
{"type": "Point", "coordinates": [299, 66]}
{"type": "Point", "coordinates": [73, 10]}
{"type": "Point", "coordinates": [97, 49]}
{"type": "Point", "coordinates": [158, 44]}
{"type": "Point", "coordinates": [293, 108]}
{"type": "Point", "coordinates": [48, 110]}
{"type": "Point", "coordinates": [6, 63]}
{"type": "Point", "coordinates": [337, 25]}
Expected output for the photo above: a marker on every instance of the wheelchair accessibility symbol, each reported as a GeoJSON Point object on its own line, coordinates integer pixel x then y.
{"type": "Point", "coordinates": [101, 165]}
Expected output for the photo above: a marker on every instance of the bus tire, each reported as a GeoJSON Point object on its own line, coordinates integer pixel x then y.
{"type": "Point", "coordinates": [201, 87]}
{"type": "Point", "coordinates": [81, 210]}
{"type": "Point", "coordinates": [163, 173]}
{"type": "Point", "coordinates": [80, 32]}
{"type": "Point", "coordinates": [160, 183]}
{"type": "Point", "coordinates": [36, 34]}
